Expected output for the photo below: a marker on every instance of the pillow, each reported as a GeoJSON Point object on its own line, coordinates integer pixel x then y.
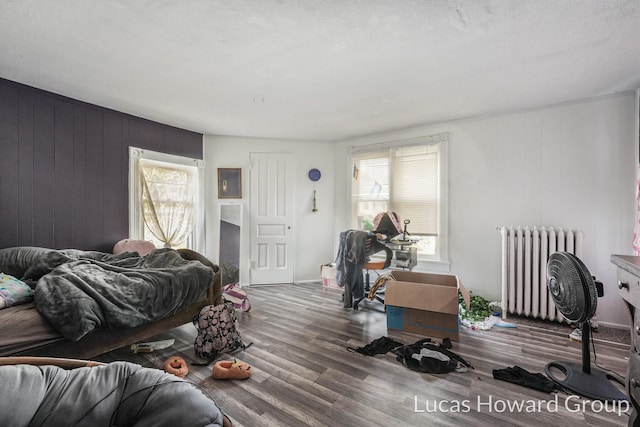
{"type": "Point", "coordinates": [13, 291]}
{"type": "Point", "coordinates": [143, 247]}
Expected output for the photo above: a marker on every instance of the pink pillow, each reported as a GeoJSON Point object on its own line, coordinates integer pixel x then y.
{"type": "Point", "coordinates": [143, 247]}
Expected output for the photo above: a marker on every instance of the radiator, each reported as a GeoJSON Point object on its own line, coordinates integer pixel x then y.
{"type": "Point", "coordinates": [525, 252]}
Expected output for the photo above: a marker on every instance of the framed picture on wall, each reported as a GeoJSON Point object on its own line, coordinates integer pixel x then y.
{"type": "Point", "coordinates": [229, 183]}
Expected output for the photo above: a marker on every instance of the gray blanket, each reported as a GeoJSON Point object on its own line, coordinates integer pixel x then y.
{"type": "Point", "coordinates": [78, 291]}
{"type": "Point", "coordinates": [117, 394]}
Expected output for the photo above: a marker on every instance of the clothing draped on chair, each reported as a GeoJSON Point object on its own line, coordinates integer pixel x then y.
{"type": "Point", "coordinates": [351, 258]}
{"type": "Point", "coordinates": [354, 249]}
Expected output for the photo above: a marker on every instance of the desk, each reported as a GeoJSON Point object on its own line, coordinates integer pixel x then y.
{"type": "Point", "coordinates": [629, 290]}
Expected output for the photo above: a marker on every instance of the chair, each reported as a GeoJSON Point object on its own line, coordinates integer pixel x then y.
{"type": "Point", "coordinates": [373, 247]}
{"type": "Point", "coordinates": [117, 393]}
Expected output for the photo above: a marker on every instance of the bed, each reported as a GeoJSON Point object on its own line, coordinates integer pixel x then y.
{"type": "Point", "coordinates": [86, 303]}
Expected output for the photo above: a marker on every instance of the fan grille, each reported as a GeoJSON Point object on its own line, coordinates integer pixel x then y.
{"type": "Point", "coordinates": [572, 287]}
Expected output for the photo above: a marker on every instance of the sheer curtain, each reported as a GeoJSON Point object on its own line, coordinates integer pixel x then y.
{"type": "Point", "coordinates": [168, 200]}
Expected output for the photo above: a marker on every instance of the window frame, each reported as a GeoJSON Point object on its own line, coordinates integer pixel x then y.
{"type": "Point", "coordinates": [441, 255]}
{"type": "Point", "coordinates": [136, 220]}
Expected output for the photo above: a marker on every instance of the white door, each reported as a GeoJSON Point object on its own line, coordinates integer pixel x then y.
{"type": "Point", "coordinates": [271, 218]}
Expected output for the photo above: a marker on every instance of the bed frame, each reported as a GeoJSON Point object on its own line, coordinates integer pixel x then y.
{"type": "Point", "coordinates": [102, 341]}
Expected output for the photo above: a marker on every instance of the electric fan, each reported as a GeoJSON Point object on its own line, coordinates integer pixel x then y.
{"type": "Point", "coordinates": [574, 293]}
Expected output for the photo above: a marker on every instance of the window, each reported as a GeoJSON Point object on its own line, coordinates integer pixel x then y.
{"type": "Point", "coordinates": [407, 177]}
{"type": "Point", "coordinates": [166, 199]}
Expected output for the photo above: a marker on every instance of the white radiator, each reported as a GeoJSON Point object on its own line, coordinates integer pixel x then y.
{"type": "Point", "coordinates": [525, 252]}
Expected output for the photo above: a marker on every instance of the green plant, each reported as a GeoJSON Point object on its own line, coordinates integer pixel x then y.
{"type": "Point", "coordinates": [478, 308]}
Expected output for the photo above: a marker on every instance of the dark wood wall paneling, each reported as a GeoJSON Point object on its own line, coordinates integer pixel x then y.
{"type": "Point", "coordinates": [64, 168]}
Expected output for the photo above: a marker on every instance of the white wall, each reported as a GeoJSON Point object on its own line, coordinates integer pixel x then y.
{"type": "Point", "coordinates": [570, 165]}
{"type": "Point", "coordinates": [313, 231]}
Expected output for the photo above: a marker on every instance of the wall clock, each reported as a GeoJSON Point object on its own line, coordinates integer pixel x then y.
{"type": "Point", "coordinates": [314, 174]}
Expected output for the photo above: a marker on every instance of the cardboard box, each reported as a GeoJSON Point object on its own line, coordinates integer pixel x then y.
{"type": "Point", "coordinates": [424, 304]}
{"type": "Point", "coordinates": [328, 273]}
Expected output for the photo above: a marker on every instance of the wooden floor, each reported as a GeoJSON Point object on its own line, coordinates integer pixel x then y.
{"type": "Point", "coordinates": [304, 375]}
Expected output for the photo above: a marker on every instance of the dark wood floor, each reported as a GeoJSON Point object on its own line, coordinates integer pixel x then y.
{"type": "Point", "coordinates": [304, 375]}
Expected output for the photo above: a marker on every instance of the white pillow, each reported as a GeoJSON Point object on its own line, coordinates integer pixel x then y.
{"type": "Point", "coordinates": [143, 247]}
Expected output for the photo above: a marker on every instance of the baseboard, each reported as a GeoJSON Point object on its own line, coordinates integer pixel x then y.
{"type": "Point", "coordinates": [614, 325]}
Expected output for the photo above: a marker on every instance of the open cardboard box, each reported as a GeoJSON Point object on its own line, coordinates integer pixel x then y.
{"type": "Point", "coordinates": [424, 304]}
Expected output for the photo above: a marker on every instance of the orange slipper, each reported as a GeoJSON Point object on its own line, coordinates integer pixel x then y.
{"type": "Point", "coordinates": [227, 369]}
{"type": "Point", "coordinates": [177, 366]}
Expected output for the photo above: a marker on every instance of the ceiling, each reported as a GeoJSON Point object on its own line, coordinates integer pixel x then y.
{"type": "Point", "coordinates": [320, 69]}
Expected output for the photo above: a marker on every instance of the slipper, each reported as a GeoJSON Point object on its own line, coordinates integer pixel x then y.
{"type": "Point", "coordinates": [227, 369]}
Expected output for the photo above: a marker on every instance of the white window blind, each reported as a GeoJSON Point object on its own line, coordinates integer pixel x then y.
{"type": "Point", "coordinates": [371, 187]}
{"type": "Point", "coordinates": [409, 178]}
{"type": "Point", "coordinates": [414, 187]}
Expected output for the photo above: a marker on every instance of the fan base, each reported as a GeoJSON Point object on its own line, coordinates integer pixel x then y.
{"type": "Point", "coordinates": [594, 385]}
